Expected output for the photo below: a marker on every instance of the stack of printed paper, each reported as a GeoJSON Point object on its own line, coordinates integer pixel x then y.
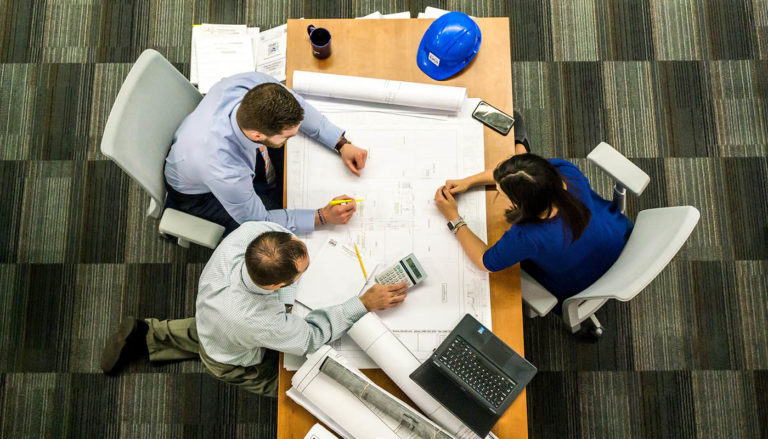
{"type": "Point", "coordinates": [222, 50]}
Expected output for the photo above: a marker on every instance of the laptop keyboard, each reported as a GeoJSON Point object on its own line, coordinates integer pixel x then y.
{"type": "Point", "coordinates": [464, 361]}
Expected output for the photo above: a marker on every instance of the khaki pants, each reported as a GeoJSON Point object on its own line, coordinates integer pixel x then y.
{"type": "Point", "coordinates": [169, 340]}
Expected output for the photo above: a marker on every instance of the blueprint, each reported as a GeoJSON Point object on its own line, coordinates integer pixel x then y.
{"type": "Point", "coordinates": [356, 88]}
{"type": "Point", "coordinates": [409, 157]}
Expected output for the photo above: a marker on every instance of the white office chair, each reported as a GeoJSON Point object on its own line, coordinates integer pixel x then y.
{"type": "Point", "coordinates": [152, 103]}
{"type": "Point", "coordinates": [657, 236]}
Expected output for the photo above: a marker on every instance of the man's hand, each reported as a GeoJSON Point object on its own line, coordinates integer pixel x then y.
{"type": "Point", "coordinates": [353, 157]}
{"type": "Point", "coordinates": [341, 213]}
{"type": "Point", "coordinates": [457, 186]}
{"type": "Point", "coordinates": [384, 296]}
{"type": "Point", "coordinates": [446, 204]}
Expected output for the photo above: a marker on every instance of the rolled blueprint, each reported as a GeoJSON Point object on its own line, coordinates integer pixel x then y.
{"type": "Point", "coordinates": [381, 400]}
{"type": "Point", "coordinates": [384, 91]}
{"type": "Point", "coordinates": [352, 417]}
{"type": "Point", "coordinates": [387, 351]}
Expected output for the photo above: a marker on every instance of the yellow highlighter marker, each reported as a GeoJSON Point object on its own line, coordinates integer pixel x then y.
{"type": "Point", "coordinates": [337, 202]}
{"type": "Point", "coordinates": [361, 261]}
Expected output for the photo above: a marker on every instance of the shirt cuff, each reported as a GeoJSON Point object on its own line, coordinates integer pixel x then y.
{"type": "Point", "coordinates": [305, 220]}
{"type": "Point", "coordinates": [354, 309]}
{"type": "Point", "coordinates": [330, 136]}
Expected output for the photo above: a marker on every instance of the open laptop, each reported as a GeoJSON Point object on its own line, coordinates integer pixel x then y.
{"type": "Point", "coordinates": [475, 375]}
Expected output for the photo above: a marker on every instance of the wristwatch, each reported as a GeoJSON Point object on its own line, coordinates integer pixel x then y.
{"type": "Point", "coordinates": [455, 224]}
{"type": "Point", "coordinates": [343, 141]}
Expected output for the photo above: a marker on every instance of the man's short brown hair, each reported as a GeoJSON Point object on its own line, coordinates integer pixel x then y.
{"type": "Point", "coordinates": [271, 258]}
{"type": "Point", "coordinates": [269, 108]}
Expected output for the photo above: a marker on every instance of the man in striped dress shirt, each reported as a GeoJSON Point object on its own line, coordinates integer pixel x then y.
{"type": "Point", "coordinates": [242, 321]}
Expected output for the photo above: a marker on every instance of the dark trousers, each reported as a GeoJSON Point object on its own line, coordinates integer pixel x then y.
{"type": "Point", "coordinates": [207, 207]}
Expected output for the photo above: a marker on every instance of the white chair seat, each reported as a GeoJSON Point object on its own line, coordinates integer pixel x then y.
{"type": "Point", "coordinates": [188, 228]}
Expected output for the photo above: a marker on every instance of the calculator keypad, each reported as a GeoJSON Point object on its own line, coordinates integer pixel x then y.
{"type": "Point", "coordinates": [394, 275]}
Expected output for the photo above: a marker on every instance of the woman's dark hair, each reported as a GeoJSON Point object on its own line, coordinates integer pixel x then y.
{"type": "Point", "coordinates": [534, 186]}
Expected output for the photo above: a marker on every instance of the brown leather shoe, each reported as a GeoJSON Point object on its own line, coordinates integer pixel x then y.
{"type": "Point", "coordinates": [125, 345]}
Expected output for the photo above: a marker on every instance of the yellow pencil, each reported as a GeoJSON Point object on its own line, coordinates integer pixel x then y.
{"type": "Point", "coordinates": [361, 261]}
{"type": "Point", "coordinates": [337, 202]}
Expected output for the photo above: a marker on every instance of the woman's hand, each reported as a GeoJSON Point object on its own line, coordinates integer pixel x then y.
{"type": "Point", "coordinates": [446, 204]}
{"type": "Point", "coordinates": [457, 186]}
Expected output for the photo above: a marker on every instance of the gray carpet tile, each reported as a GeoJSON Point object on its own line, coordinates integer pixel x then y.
{"type": "Point", "coordinates": [746, 181]}
{"type": "Point", "coordinates": [605, 403]}
{"type": "Point", "coordinates": [45, 217]}
{"type": "Point", "coordinates": [578, 122]}
{"type": "Point", "coordinates": [660, 337]}
{"type": "Point", "coordinates": [761, 402]}
{"type": "Point", "coordinates": [664, 401]}
{"type": "Point", "coordinates": [723, 402]}
{"type": "Point", "coordinates": [62, 103]}
{"type": "Point", "coordinates": [17, 88]}
{"type": "Point", "coordinates": [760, 11]}
{"type": "Point", "coordinates": [574, 25]}
{"type": "Point", "coordinates": [711, 315]}
{"type": "Point", "coordinates": [95, 312]}
{"type": "Point", "coordinates": [699, 182]}
{"type": "Point", "coordinates": [107, 79]}
{"type": "Point", "coordinates": [725, 24]}
{"type": "Point", "coordinates": [688, 113]}
{"type": "Point", "coordinates": [678, 29]}
{"type": "Point", "coordinates": [12, 178]}
{"type": "Point", "coordinates": [678, 86]}
{"type": "Point", "coordinates": [533, 93]}
{"type": "Point", "coordinates": [752, 283]}
{"type": "Point", "coordinates": [530, 30]}
{"type": "Point", "coordinates": [741, 110]}
{"type": "Point", "coordinates": [553, 398]}
{"type": "Point", "coordinates": [625, 30]}
{"type": "Point", "coordinates": [631, 108]}
{"type": "Point", "coordinates": [104, 206]}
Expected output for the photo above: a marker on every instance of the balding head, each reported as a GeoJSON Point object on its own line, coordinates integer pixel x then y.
{"type": "Point", "coordinates": [275, 258]}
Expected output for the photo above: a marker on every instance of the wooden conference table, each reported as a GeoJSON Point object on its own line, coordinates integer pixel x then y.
{"type": "Point", "coordinates": [387, 49]}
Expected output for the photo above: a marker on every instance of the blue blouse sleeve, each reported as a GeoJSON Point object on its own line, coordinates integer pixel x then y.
{"type": "Point", "coordinates": [513, 247]}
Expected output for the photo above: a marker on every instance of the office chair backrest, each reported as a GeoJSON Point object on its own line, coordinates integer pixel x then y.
{"type": "Point", "coordinates": [152, 103]}
{"type": "Point", "coordinates": [658, 235]}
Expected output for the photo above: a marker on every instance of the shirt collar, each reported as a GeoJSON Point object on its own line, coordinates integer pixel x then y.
{"type": "Point", "coordinates": [249, 285]}
{"type": "Point", "coordinates": [244, 141]}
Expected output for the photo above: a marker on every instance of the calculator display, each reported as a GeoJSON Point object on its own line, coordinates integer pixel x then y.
{"type": "Point", "coordinates": [407, 270]}
{"type": "Point", "coordinates": [413, 268]}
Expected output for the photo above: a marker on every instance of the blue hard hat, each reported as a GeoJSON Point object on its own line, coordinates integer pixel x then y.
{"type": "Point", "coordinates": [448, 45]}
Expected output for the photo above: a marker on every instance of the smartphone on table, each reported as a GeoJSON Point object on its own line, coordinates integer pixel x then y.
{"type": "Point", "coordinates": [493, 117]}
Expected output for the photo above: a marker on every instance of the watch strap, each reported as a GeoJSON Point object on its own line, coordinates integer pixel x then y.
{"type": "Point", "coordinates": [342, 141]}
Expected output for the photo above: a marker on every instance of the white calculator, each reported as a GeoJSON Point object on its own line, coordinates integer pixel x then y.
{"type": "Point", "coordinates": [407, 270]}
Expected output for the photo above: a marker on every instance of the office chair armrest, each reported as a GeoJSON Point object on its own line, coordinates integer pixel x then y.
{"type": "Point", "coordinates": [619, 167]}
{"type": "Point", "coordinates": [535, 295]}
{"type": "Point", "coordinates": [189, 228]}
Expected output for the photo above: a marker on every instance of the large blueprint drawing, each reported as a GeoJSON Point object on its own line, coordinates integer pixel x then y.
{"type": "Point", "coordinates": [410, 155]}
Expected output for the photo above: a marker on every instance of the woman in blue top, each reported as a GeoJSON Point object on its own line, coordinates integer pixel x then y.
{"type": "Point", "coordinates": [563, 234]}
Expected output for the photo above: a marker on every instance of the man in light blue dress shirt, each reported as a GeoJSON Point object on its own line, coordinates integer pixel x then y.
{"type": "Point", "coordinates": [226, 161]}
{"type": "Point", "coordinates": [241, 319]}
